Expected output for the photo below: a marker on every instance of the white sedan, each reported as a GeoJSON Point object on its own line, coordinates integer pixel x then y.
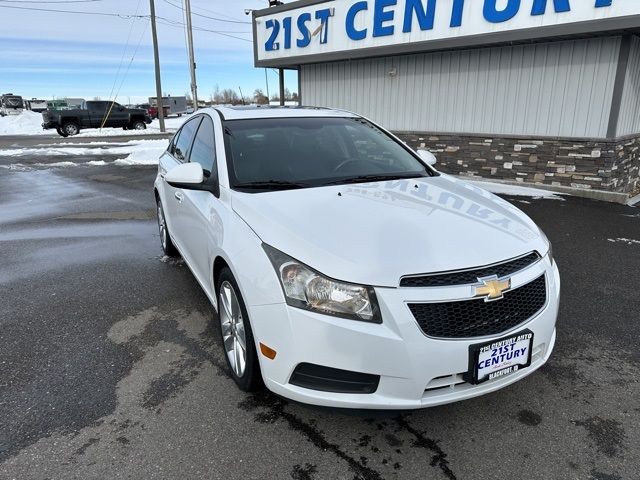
{"type": "Point", "coordinates": [345, 269]}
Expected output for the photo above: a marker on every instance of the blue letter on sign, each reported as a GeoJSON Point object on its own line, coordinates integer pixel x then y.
{"type": "Point", "coordinates": [425, 15]}
{"type": "Point", "coordinates": [351, 20]}
{"type": "Point", "coordinates": [494, 16]}
{"type": "Point", "coordinates": [304, 30]}
{"type": "Point", "coordinates": [456, 13]}
{"type": "Point", "coordinates": [323, 15]}
{"type": "Point", "coordinates": [603, 3]}
{"type": "Point", "coordinates": [380, 16]}
{"type": "Point", "coordinates": [540, 6]}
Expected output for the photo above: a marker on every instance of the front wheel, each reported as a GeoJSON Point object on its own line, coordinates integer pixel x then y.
{"type": "Point", "coordinates": [71, 128]}
{"type": "Point", "coordinates": [168, 247]}
{"type": "Point", "coordinates": [237, 336]}
{"type": "Point", "coordinates": [61, 132]}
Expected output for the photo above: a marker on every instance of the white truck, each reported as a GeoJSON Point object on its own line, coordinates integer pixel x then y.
{"type": "Point", "coordinates": [176, 105]}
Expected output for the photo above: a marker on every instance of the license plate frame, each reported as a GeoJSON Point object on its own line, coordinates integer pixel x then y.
{"type": "Point", "coordinates": [475, 350]}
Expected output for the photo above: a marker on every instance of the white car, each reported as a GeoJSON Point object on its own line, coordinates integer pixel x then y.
{"type": "Point", "coordinates": [345, 269]}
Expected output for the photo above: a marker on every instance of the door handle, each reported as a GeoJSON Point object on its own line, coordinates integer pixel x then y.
{"type": "Point", "coordinates": [179, 196]}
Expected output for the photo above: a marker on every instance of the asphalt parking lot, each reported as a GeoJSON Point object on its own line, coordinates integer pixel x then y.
{"type": "Point", "coordinates": [111, 365]}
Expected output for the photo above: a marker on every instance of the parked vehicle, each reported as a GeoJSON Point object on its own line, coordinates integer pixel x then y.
{"type": "Point", "coordinates": [10, 104]}
{"type": "Point", "coordinates": [152, 110]}
{"type": "Point", "coordinates": [36, 105]}
{"type": "Point", "coordinates": [57, 105]}
{"type": "Point", "coordinates": [345, 269]}
{"type": "Point", "coordinates": [176, 105]}
{"type": "Point", "coordinates": [95, 114]}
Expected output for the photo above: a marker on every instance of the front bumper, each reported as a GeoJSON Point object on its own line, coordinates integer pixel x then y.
{"type": "Point", "coordinates": [415, 370]}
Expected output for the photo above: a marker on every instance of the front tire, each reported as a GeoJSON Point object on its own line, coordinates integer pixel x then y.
{"type": "Point", "coordinates": [61, 132]}
{"type": "Point", "coordinates": [237, 336]}
{"type": "Point", "coordinates": [168, 247]}
{"type": "Point", "coordinates": [71, 129]}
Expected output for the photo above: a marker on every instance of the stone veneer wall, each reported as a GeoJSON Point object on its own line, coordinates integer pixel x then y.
{"type": "Point", "coordinates": [610, 165]}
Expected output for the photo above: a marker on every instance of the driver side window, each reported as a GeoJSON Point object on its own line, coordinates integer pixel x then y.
{"type": "Point", "coordinates": [185, 136]}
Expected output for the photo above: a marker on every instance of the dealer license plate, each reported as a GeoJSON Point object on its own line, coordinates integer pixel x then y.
{"type": "Point", "coordinates": [499, 358]}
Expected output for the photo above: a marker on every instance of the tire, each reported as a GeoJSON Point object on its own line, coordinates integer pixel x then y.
{"type": "Point", "coordinates": [235, 330]}
{"type": "Point", "coordinates": [61, 132]}
{"type": "Point", "coordinates": [71, 129]}
{"type": "Point", "coordinates": [168, 247]}
{"type": "Point", "coordinates": [138, 125]}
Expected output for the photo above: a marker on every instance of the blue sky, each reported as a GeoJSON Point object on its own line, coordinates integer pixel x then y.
{"type": "Point", "coordinates": [46, 54]}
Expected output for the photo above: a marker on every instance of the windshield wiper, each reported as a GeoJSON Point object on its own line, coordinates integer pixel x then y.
{"type": "Point", "coordinates": [272, 184]}
{"type": "Point", "coordinates": [376, 178]}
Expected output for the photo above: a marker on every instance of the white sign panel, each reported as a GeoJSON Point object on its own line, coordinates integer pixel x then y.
{"type": "Point", "coordinates": [308, 30]}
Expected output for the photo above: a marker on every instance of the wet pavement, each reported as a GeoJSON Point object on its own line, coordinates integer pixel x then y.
{"type": "Point", "coordinates": [111, 367]}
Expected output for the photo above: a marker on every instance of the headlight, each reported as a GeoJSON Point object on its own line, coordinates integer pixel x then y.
{"type": "Point", "coordinates": [305, 288]}
{"type": "Point", "coordinates": [550, 252]}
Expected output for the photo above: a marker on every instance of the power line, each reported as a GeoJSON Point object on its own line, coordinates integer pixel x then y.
{"type": "Point", "coordinates": [104, 14]}
{"type": "Point", "coordinates": [217, 19]}
{"type": "Point", "coordinates": [39, 2]}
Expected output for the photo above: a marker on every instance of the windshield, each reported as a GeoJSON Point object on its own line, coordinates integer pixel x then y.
{"type": "Point", "coordinates": [282, 153]}
{"type": "Point", "coordinates": [13, 101]}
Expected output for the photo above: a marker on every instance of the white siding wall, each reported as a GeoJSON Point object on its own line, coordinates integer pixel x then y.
{"type": "Point", "coordinates": [557, 89]}
{"type": "Point", "coordinates": [629, 121]}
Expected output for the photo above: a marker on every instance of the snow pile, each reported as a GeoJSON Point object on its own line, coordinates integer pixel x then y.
{"type": "Point", "coordinates": [515, 190]}
{"type": "Point", "coordinates": [136, 152]}
{"type": "Point", "coordinates": [143, 149]}
{"type": "Point", "coordinates": [27, 123]}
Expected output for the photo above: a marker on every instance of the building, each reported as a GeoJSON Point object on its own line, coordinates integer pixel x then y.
{"type": "Point", "coordinates": [536, 91]}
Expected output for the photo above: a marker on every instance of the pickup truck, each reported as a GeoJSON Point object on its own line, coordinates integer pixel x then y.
{"type": "Point", "coordinates": [95, 114]}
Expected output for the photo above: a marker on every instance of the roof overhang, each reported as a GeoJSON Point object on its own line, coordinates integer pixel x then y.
{"type": "Point", "coordinates": [313, 31]}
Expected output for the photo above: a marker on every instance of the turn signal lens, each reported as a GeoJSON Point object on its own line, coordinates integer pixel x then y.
{"type": "Point", "coordinates": [268, 352]}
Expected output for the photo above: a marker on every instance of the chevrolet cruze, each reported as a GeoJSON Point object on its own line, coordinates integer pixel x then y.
{"type": "Point", "coordinates": [345, 269]}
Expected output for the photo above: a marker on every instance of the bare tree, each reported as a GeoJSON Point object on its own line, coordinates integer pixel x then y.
{"type": "Point", "coordinates": [259, 97]}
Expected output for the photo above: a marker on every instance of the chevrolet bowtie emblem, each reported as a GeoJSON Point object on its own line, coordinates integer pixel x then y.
{"type": "Point", "coordinates": [492, 288]}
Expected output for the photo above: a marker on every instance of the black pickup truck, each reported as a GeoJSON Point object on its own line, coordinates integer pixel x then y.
{"type": "Point", "coordinates": [96, 114]}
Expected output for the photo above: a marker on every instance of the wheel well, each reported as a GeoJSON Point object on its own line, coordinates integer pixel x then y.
{"type": "Point", "coordinates": [65, 120]}
{"type": "Point", "coordinates": [218, 264]}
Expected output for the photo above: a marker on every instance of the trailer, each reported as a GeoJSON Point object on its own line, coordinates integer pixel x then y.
{"type": "Point", "coordinates": [11, 104]}
{"type": "Point", "coordinates": [35, 105]}
{"type": "Point", "coordinates": [176, 105]}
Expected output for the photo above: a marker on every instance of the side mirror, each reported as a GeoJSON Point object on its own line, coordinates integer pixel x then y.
{"type": "Point", "coordinates": [185, 175]}
{"type": "Point", "coordinates": [428, 157]}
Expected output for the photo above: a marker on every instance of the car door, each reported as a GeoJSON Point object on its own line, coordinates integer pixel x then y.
{"type": "Point", "coordinates": [172, 197]}
{"type": "Point", "coordinates": [201, 208]}
{"type": "Point", "coordinates": [119, 117]}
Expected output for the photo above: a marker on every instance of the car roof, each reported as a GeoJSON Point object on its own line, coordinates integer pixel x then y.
{"type": "Point", "coordinates": [267, 111]}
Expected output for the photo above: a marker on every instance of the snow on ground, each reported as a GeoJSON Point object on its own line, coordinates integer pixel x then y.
{"type": "Point", "coordinates": [628, 241]}
{"type": "Point", "coordinates": [30, 123]}
{"type": "Point", "coordinates": [27, 123]}
{"type": "Point", "coordinates": [137, 152]}
{"type": "Point", "coordinates": [142, 148]}
{"type": "Point", "coordinates": [516, 190]}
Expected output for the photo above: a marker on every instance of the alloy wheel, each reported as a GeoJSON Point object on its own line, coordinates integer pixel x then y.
{"type": "Point", "coordinates": [162, 226]}
{"type": "Point", "coordinates": [233, 333]}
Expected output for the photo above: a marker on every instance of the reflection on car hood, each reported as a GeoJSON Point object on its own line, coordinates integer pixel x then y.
{"type": "Point", "coordinates": [375, 233]}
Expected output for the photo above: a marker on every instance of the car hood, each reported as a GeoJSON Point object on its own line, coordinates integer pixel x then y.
{"type": "Point", "coordinates": [375, 233]}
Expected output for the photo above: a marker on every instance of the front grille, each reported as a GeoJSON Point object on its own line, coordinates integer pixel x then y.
{"type": "Point", "coordinates": [477, 318]}
{"type": "Point", "coordinates": [466, 277]}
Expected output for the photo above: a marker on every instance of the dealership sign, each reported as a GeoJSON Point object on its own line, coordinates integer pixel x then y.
{"type": "Point", "coordinates": [313, 30]}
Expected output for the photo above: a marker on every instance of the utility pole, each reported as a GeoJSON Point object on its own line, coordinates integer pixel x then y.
{"type": "Point", "coordinates": [156, 58]}
{"type": "Point", "coordinates": [192, 60]}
